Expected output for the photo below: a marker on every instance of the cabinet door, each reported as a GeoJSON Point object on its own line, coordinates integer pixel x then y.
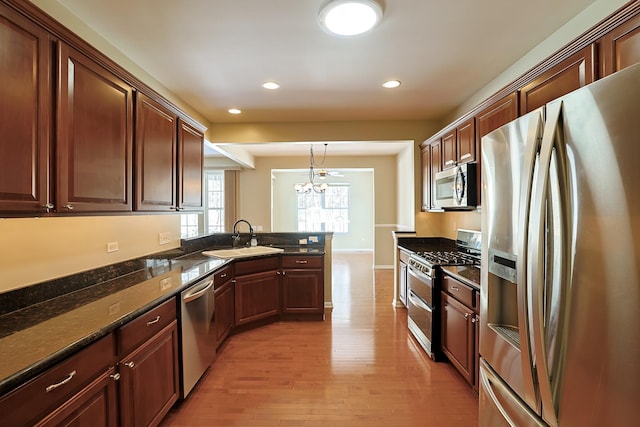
{"type": "Point", "coordinates": [574, 72]}
{"type": "Point", "coordinates": [497, 114]}
{"type": "Point", "coordinates": [156, 163]}
{"type": "Point", "coordinates": [449, 150]}
{"type": "Point", "coordinates": [436, 166]}
{"type": "Point", "coordinates": [25, 99]}
{"type": "Point", "coordinates": [620, 47]}
{"type": "Point", "coordinates": [466, 141]}
{"type": "Point", "coordinates": [257, 296]}
{"type": "Point", "coordinates": [224, 311]}
{"type": "Point", "coordinates": [190, 158]}
{"type": "Point", "coordinates": [94, 136]}
{"type": "Point", "coordinates": [95, 405]}
{"type": "Point", "coordinates": [425, 163]}
{"type": "Point", "coordinates": [149, 379]}
{"type": "Point", "coordinates": [302, 292]}
{"type": "Point", "coordinates": [458, 338]}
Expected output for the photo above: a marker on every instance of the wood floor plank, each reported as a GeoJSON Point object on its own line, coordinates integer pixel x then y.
{"type": "Point", "coordinates": [359, 367]}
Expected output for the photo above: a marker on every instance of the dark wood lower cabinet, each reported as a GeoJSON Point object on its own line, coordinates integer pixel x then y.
{"type": "Point", "coordinates": [224, 302]}
{"type": "Point", "coordinates": [149, 379]}
{"type": "Point", "coordinates": [303, 287]}
{"type": "Point", "coordinates": [95, 405]}
{"type": "Point", "coordinates": [458, 336]}
{"type": "Point", "coordinates": [257, 296]}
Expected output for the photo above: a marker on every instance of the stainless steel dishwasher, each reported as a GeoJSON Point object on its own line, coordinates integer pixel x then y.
{"type": "Point", "coordinates": [197, 337]}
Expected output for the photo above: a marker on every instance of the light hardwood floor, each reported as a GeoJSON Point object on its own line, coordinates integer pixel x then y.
{"type": "Point", "coordinates": [359, 367]}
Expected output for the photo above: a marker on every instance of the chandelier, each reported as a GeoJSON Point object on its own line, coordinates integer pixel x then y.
{"type": "Point", "coordinates": [310, 186]}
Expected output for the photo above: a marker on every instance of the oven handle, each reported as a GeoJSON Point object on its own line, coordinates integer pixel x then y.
{"type": "Point", "coordinates": [417, 301]}
{"type": "Point", "coordinates": [420, 275]}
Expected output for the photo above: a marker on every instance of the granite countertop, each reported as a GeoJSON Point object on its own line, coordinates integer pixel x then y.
{"type": "Point", "coordinates": [36, 336]}
{"type": "Point", "coordinates": [465, 273]}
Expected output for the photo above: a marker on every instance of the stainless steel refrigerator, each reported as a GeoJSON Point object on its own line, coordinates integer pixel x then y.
{"type": "Point", "coordinates": [560, 284]}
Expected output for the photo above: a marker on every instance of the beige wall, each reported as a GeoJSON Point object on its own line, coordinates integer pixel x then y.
{"type": "Point", "coordinates": [255, 194]}
{"type": "Point", "coordinates": [33, 250]}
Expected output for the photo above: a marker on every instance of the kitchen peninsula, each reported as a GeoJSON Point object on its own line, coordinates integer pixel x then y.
{"type": "Point", "coordinates": [75, 338]}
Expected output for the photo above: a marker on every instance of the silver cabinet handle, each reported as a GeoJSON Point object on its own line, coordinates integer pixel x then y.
{"type": "Point", "coordinates": [115, 376]}
{"type": "Point", "coordinates": [466, 316]}
{"type": "Point", "coordinates": [151, 322]}
{"type": "Point", "coordinates": [449, 162]}
{"type": "Point", "coordinates": [465, 156]}
{"type": "Point", "coordinates": [61, 383]}
{"type": "Point", "coordinates": [130, 364]}
{"type": "Point", "coordinates": [222, 276]}
{"type": "Point", "coordinates": [68, 206]}
{"type": "Point", "coordinates": [48, 206]}
{"type": "Point", "coordinates": [301, 261]}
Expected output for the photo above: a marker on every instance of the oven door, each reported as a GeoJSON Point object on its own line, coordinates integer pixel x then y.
{"type": "Point", "coordinates": [421, 284]}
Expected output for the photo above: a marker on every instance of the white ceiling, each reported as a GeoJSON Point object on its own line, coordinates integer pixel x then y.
{"type": "Point", "coordinates": [215, 54]}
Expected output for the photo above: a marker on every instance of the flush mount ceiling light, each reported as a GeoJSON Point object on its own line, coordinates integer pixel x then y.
{"type": "Point", "coordinates": [390, 84]}
{"type": "Point", "coordinates": [234, 111]}
{"type": "Point", "coordinates": [270, 85]}
{"type": "Point", "coordinates": [350, 17]}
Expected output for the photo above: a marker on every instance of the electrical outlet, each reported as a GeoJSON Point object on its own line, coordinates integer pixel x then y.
{"type": "Point", "coordinates": [112, 247]}
{"type": "Point", "coordinates": [313, 239]}
{"type": "Point", "coordinates": [165, 283]}
{"type": "Point", "coordinates": [164, 238]}
{"type": "Point", "coordinates": [258, 228]}
{"type": "Point", "coordinates": [302, 241]}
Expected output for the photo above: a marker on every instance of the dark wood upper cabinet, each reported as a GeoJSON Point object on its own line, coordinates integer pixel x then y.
{"type": "Point", "coordinates": [620, 48]}
{"type": "Point", "coordinates": [94, 136]}
{"type": "Point", "coordinates": [425, 167]}
{"type": "Point", "coordinates": [449, 150]}
{"type": "Point", "coordinates": [466, 141]}
{"type": "Point", "coordinates": [25, 114]}
{"type": "Point", "coordinates": [436, 166]}
{"type": "Point", "coordinates": [497, 114]}
{"type": "Point", "coordinates": [570, 74]}
{"type": "Point", "coordinates": [156, 161]}
{"type": "Point", "coordinates": [190, 174]}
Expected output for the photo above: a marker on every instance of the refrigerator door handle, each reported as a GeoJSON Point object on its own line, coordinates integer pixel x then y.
{"type": "Point", "coordinates": [530, 169]}
{"type": "Point", "coordinates": [547, 262]}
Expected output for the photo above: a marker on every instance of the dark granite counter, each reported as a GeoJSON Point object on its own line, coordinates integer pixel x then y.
{"type": "Point", "coordinates": [44, 323]}
{"type": "Point", "coordinates": [465, 273]}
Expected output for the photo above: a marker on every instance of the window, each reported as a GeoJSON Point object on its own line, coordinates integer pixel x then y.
{"type": "Point", "coordinates": [213, 219]}
{"type": "Point", "coordinates": [328, 211]}
{"type": "Point", "coordinates": [214, 201]}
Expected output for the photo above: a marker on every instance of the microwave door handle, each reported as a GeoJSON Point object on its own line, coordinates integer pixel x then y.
{"type": "Point", "coordinates": [527, 187]}
{"type": "Point", "coordinates": [457, 181]}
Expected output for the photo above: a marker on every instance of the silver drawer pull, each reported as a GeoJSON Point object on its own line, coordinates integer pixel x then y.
{"type": "Point", "coordinates": [222, 276]}
{"type": "Point", "coordinates": [130, 364]}
{"type": "Point", "coordinates": [301, 261]}
{"type": "Point", "coordinates": [455, 288]}
{"type": "Point", "coordinates": [151, 322]}
{"type": "Point", "coordinates": [63, 382]}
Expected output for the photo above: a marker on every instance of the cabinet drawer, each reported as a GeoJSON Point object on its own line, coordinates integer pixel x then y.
{"type": "Point", "coordinates": [38, 397]}
{"type": "Point", "coordinates": [222, 276]}
{"type": "Point", "coordinates": [302, 261]}
{"type": "Point", "coordinates": [458, 290]}
{"type": "Point", "coordinates": [257, 265]}
{"type": "Point", "coordinates": [145, 326]}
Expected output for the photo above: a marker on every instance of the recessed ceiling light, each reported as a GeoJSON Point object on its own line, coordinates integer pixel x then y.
{"type": "Point", "coordinates": [390, 84]}
{"type": "Point", "coordinates": [234, 111]}
{"type": "Point", "coordinates": [270, 85]}
{"type": "Point", "coordinates": [350, 17]}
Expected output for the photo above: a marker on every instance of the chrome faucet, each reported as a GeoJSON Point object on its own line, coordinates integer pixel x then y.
{"type": "Point", "coordinates": [236, 233]}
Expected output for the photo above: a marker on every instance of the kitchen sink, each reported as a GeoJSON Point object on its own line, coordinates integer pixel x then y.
{"type": "Point", "coordinates": [243, 252]}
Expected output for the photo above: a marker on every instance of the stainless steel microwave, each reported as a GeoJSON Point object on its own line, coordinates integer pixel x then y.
{"type": "Point", "coordinates": [457, 187]}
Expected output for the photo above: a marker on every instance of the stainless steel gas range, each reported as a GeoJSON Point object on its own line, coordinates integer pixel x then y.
{"type": "Point", "coordinates": [424, 275]}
